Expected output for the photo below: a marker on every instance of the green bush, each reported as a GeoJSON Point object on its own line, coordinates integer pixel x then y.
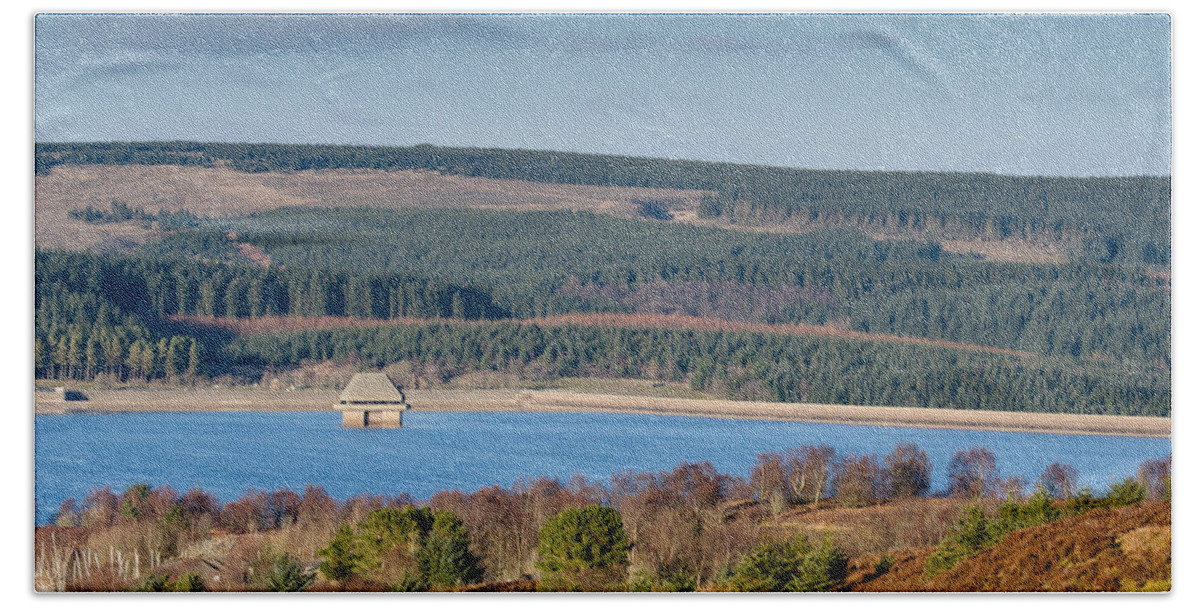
{"type": "Point", "coordinates": [287, 575]}
{"type": "Point", "coordinates": [793, 565]}
{"type": "Point", "coordinates": [974, 531]}
{"type": "Point", "coordinates": [342, 557]}
{"type": "Point", "coordinates": [643, 581]}
{"type": "Point", "coordinates": [390, 528]}
{"type": "Point", "coordinates": [409, 582]}
{"type": "Point", "coordinates": [189, 582]}
{"type": "Point", "coordinates": [421, 548]}
{"type": "Point", "coordinates": [583, 548]}
{"type": "Point", "coordinates": [446, 559]}
{"type": "Point", "coordinates": [157, 583]}
{"type": "Point", "coordinates": [1126, 492]}
{"type": "Point", "coordinates": [154, 583]}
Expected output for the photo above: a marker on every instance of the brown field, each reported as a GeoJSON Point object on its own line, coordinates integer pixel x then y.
{"type": "Point", "coordinates": [257, 399]}
{"type": "Point", "coordinates": [221, 191]}
{"type": "Point", "coordinates": [214, 192]}
{"type": "Point", "coordinates": [1011, 250]}
{"type": "Point", "coordinates": [1123, 549]}
{"type": "Point", "coordinates": [270, 324]}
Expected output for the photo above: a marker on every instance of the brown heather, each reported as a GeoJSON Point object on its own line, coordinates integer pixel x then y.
{"type": "Point", "coordinates": [1121, 549]}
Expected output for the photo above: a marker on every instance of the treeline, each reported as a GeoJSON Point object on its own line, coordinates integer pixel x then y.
{"type": "Point", "coordinates": [80, 333]}
{"type": "Point", "coordinates": [178, 286]}
{"type": "Point", "coordinates": [119, 212]}
{"type": "Point", "coordinates": [691, 528]}
{"type": "Point", "coordinates": [740, 365]}
{"type": "Point", "coordinates": [1106, 220]}
{"type": "Point", "coordinates": [97, 314]}
{"type": "Point", "coordinates": [1125, 219]}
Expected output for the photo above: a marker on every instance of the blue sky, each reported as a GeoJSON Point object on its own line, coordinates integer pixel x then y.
{"type": "Point", "coordinates": [1082, 94]}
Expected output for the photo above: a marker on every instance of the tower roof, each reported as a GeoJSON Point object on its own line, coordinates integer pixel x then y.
{"type": "Point", "coordinates": [373, 388]}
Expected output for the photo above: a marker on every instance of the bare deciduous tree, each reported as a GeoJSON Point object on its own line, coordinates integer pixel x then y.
{"type": "Point", "coordinates": [908, 471]}
{"type": "Point", "coordinates": [856, 481]}
{"type": "Point", "coordinates": [1059, 480]}
{"type": "Point", "coordinates": [768, 477]}
{"type": "Point", "coordinates": [808, 472]}
{"type": "Point", "coordinates": [1156, 476]}
{"type": "Point", "coordinates": [973, 472]}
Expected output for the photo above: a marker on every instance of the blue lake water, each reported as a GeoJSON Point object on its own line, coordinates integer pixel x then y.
{"type": "Point", "coordinates": [227, 453]}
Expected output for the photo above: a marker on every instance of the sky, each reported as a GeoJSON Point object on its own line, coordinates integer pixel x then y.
{"type": "Point", "coordinates": [1066, 94]}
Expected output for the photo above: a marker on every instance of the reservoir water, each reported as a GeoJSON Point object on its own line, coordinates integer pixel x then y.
{"type": "Point", "coordinates": [227, 453]}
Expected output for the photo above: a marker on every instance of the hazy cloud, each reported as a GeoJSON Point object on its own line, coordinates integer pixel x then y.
{"type": "Point", "coordinates": [1049, 94]}
{"type": "Point", "coordinates": [899, 49]}
{"type": "Point", "coordinates": [242, 35]}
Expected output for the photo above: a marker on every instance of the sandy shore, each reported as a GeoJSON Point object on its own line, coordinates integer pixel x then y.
{"type": "Point", "coordinates": [225, 400]}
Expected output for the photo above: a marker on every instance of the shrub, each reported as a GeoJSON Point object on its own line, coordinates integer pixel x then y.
{"type": "Point", "coordinates": [974, 531]}
{"type": "Point", "coordinates": [287, 575]}
{"type": "Point", "coordinates": [971, 533]}
{"type": "Point", "coordinates": [1125, 492]}
{"type": "Point", "coordinates": [1059, 479]}
{"type": "Point", "coordinates": [390, 529]}
{"type": "Point", "coordinates": [68, 515]}
{"type": "Point", "coordinates": [583, 547]}
{"type": "Point", "coordinates": [885, 563]}
{"type": "Point", "coordinates": [170, 532]}
{"type": "Point", "coordinates": [342, 556]}
{"type": "Point", "coordinates": [156, 583]}
{"type": "Point", "coordinates": [1082, 502]}
{"type": "Point", "coordinates": [791, 566]}
{"type": "Point", "coordinates": [643, 581]}
{"type": "Point", "coordinates": [445, 557]}
{"type": "Point", "coordinates": [973, 472]}
{"type": "Point", "coordinates": [1155, 474]}
{"type": "Point", "coordinates": [189, 582]}
{"type": "Point", "coordinates": [907, 471]}
{"type": "Point", "coordinates": [856, 481]}
{"type": "Point", "coordinates": [133, 501]}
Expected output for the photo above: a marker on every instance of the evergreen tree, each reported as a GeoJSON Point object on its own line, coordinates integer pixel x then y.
{"type": "Point", "coordinates": [342, 555]}
{"type": "Point", "coordinates": [577, 544]}
{"type": "Point", "coordinates": [193, 365]}
{"type": "Point", "coordinates": [446, 558]}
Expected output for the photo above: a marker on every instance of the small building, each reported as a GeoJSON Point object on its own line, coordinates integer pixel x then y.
{"type": "Point", "coordinates": [372, 401]}
{"type": "Point", "coordinates": [66, 394]}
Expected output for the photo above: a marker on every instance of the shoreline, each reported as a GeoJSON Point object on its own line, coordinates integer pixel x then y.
{"type": "Point", "coordinates": [557, 400]}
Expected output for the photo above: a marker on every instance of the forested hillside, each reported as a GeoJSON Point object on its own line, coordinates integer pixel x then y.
{"type": "Point", "coordinates": [534, 264]}
{"type": "Point", "coordinates": [1108, 220]}
{"type": "Point", "coordinates": [736, 364]}
{"type": "Point", "coordinates": [1098, 325]}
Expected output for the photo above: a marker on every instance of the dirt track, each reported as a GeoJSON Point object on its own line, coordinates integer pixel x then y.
{"type": "Point", "coordinates": [565, 401]}
{"type": "Point", "coordinates": [271, 324]}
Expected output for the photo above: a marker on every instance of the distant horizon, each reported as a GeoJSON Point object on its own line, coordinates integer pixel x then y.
{"type": "Point", "coordinates": [639, 157]}
{"type": "Point", "coordinates": [1066, 94]}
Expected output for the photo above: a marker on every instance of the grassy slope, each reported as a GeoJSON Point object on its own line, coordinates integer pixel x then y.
{"type": "Point", "coordinates": [216, 192]}
{"type": "Point", "coordinates": [1124, 549]}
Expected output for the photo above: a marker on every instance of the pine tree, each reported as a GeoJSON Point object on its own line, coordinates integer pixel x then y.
{"type": "Point", "coordinates": [446, 558]}
{"type": "Point", "coordinates": [342, 555]}
{"type": "Point", "coordinates": [193, 365]}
